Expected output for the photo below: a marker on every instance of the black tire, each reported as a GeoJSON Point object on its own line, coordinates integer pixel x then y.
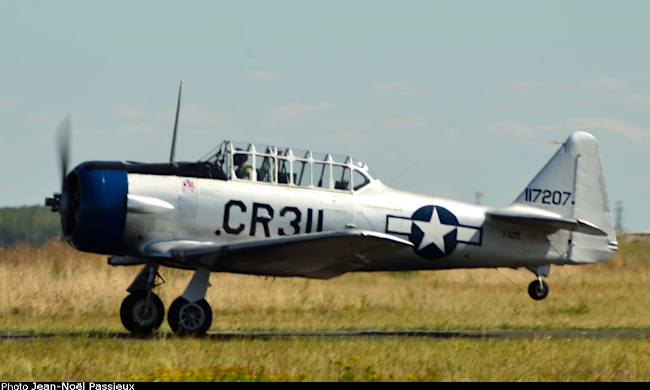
{"type": "Point", "coordinates": [536, 291]}
{"type": "Point", "coordinates": [136, 319]}
{"type": "Point", "coordinates": [190, 318]}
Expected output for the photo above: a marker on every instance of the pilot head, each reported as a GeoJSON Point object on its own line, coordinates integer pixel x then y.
{"type": "Point", "coordinates": [240, 158]}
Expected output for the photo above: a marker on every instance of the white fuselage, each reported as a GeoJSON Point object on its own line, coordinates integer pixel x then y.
{"type": "Point", "coordinates": [445, 234]}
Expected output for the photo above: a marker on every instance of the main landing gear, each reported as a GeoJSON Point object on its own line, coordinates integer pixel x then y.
{"type": "Point", "coordinates": [142, 312]}
{"type": "Point", "coordinates": [538, 289]}
{"type": "Point", "coordinates": [190, 314]}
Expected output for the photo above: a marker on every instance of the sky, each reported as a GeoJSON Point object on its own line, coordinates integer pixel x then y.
{"type": "Point", "coordinates": [445, 98]}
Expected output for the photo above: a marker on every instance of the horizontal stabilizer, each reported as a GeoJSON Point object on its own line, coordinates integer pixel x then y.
{"type": "Point", "coordinates": [533, 217]}
{"type": "Point", "coordinates": [320, 255]}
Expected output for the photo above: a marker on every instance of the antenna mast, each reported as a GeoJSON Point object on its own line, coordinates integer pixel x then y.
{"type": "Point", "coordinates": [478, 196]}
{"type": "Point", "coordinates": [172, 157]}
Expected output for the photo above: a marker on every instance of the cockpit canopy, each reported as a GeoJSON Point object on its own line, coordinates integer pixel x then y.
{"type": "Point", "coordinates": [286, 166]}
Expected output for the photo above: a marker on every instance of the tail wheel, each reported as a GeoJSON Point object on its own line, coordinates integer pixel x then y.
{"type": "Point", "coordinates": [139, 316]}
{"type": "Point", "coordinates": [538, 290]}
{"type": "Point", "coordinates": [190, 318]}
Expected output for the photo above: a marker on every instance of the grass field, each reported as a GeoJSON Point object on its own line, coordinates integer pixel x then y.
{"type": "Point", "coordinates": [56, 289]}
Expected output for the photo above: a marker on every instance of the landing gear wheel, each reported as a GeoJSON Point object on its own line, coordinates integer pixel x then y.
{"type": "Point", "coordinates": [538, 290]}
{"type": "Point", "coordinates": [190, 318]}
{"type": "Point", "coordinates": [138, 317]}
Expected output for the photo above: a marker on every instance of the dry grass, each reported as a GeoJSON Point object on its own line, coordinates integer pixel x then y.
{"type": "Point", "coordinates": [57, 289]}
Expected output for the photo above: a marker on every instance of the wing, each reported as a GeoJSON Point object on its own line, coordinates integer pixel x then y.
{"type": "Point", "coordinates": [533, 217]}
{"type": "Point", "coordinates": [320, 255]}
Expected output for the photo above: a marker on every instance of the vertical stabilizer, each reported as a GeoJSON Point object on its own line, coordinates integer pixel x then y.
{"type": "Point", "coordinates": [572, 185]}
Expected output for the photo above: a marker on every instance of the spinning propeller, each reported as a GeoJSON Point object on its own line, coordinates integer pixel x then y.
{"type": "Point", "coordinates": [63, 145]}
{"type": "Point", "coordinates": [62, 137]}
{"type": "Point", "coordinates": [66, 202]}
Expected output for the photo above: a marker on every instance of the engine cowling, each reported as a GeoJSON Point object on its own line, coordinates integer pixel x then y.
{"type": "Point", "coordinates": [93, 207]}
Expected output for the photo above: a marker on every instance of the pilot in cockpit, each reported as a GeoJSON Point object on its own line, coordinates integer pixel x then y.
{"type": "Point", "coordinates": [243, 170]}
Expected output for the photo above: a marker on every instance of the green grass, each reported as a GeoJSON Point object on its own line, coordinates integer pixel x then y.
{"type": "Point", "coordinates": [313, 359]}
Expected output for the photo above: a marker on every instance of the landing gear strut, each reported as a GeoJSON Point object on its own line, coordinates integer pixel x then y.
{"type": "Point", "coordinates": [538, 289]}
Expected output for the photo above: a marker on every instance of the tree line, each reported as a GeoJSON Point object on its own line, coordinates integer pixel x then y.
{"type": "Point", "coordinates": [33, 225]}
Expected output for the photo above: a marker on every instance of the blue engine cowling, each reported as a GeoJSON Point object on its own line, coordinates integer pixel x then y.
{"type": "Point", "coordinates": [93, 207]}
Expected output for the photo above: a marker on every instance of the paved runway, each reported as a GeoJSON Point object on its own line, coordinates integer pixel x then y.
{"type": "Point", "coordinates": [466, 334]}
{"type": "Point", "coordinates": [488, 334]}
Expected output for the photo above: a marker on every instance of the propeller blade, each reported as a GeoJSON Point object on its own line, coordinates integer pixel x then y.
{"type": "Point", "coordinates": [63, 147]}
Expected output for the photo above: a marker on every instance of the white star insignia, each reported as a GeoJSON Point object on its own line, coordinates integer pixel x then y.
{"type": "Point", "coordinates": [434, 232]}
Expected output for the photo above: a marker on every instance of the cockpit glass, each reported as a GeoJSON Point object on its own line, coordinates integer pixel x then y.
{"type": "Point", "coordinates": [284, 171]}
{"type": "Point", "coordinates": [302, 173]}
{"type": "Point", "coordinates": [359, 180]}
{"type": "Point", "coordinates": [341, 176]}
{"type": "Point", "coordinates": [361, 165]}
{"type": "Point", "coordinates": [303, 168]}
{"type": "Point", "coordinates": [265, 168]}
{"type": "Point", "coordinates": [337, 158]}
{"type": "Point", "coordinates": [322, 175]}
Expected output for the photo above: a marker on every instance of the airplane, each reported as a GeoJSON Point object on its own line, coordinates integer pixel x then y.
{"type": "Point", "coordinates": [281, 212]}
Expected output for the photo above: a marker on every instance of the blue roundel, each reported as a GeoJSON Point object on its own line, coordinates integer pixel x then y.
{"type": "Point", "coordinates": [434, 232]}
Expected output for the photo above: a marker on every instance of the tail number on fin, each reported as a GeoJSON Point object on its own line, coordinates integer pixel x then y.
{"type": "Point", "coordinates": [544, 196]}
